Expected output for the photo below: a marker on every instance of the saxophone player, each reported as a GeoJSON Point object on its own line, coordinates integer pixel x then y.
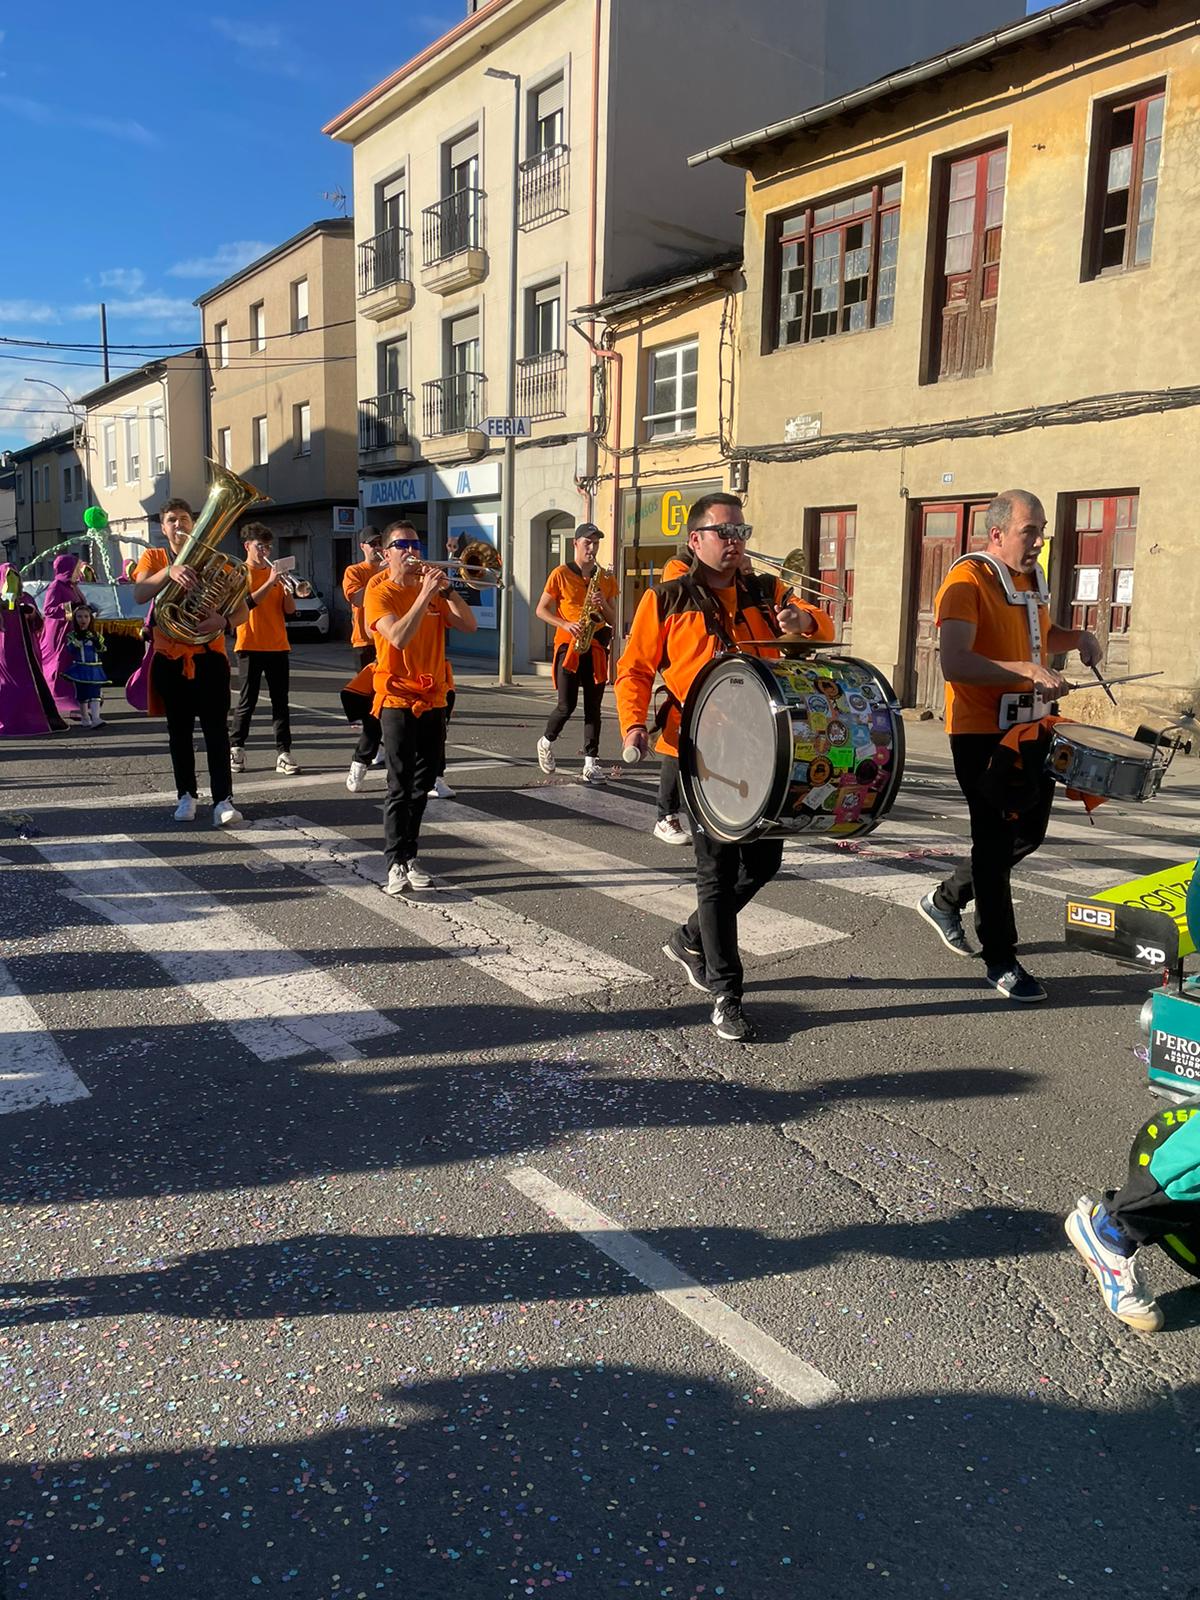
{"type": "Point", "coordinates": [189, 683]}
{"type": "Point", "coordinates": [579, 603]}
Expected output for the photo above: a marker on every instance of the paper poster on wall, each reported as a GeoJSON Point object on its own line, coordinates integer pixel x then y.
{"type": "Point", "coordinates": [462, 530]}
{"type": "Point", "coordinates": [1124, 590]}
{"type": "Point", "coordinates": [1087, 585]}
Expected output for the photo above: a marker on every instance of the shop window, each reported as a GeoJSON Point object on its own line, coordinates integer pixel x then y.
{"type": "Point", "coordinates": [970, 224]}
{"type": "Point", "coordinates": [1123, 194]}
{"type": "Point", "coordinates": [1098, 571]}
{"type": "Point", "coordinates": [835, 265]}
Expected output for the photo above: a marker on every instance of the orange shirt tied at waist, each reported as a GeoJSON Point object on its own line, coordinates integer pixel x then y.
{"type": "Point", "coordinates": [413, 678]}
{"type": "Point", "coordinates": [972, 593]}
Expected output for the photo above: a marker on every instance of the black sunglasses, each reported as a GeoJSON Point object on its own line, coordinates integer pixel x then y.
{"type": "Point", "coordinates": [404, 544]}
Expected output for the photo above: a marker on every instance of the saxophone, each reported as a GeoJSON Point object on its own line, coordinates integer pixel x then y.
{"type": "Point", "coordinates": [223, 582]}
{"type": "Point", "coordinates": [591, 615]}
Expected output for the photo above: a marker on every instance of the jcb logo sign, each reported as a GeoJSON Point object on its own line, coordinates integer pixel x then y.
{"type": "Point", "coordinates": [1098, 917]}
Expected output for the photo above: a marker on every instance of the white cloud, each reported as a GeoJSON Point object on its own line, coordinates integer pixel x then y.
{"type": "Point", "coordinates": [30, 410]}
{"type": "Point", "coordinates": [262, 43]}
{"type": "Point", "coordinates": [23, 312]}
{"type": "Point", "coordinates": [144, 311]}
{"type": "Point", "coordinates": [45, 116]}
{"type": "Point", "coordinates": [127, 279]}
{"type": "Point", "coordinates": [225, 260]}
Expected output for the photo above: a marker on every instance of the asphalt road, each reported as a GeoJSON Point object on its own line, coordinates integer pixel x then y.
{"type": "Point", "coordinates": [441, 1249]}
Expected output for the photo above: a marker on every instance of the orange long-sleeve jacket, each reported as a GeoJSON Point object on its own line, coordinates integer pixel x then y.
{"type": "Point", "coordinates": [678, 628]}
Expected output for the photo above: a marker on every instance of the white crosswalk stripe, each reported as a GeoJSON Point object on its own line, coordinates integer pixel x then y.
{"type": "Point", "coordinates": [535, 961]}
{"type": "Point", "coordinates": [275, 1003]}
{"type": "Point", "coordinates": [34, 1071]}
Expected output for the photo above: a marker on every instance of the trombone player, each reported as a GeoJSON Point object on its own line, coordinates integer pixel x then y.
{"type": "Point", "coordinates": [579, 603]}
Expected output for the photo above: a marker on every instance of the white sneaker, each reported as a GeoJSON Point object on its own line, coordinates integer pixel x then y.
{"type": "Point", "coordinates": [397, 879]}
{"type": "Point", "coordinates": [378, 759]}
{"type": "Point", "coordinates": [671, 831]}
{"type": "Point", "coordinates": [185, 811]}
{"type": "Point", "coordinates": [441, 790]}
{"type": "Point", "coordinates": [1119, 1277]}
{"type": "Point", "coordinates": [545, 755]}
{"type": "Point", "coordinates": [418, 878]}
{"type": "Point", "coordinates": [285, 764]}
{"type": "Point", "coordinates": [237, 759]}
{"type": "Point", "coordinates": [357, 776]}
{"type": "Point", "coordinates": [225, 813]}
{"type": "Point", "coordinates": [593, 772]}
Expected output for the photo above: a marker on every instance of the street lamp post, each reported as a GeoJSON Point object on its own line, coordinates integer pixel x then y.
{"type": "Point", "coordinates": [507, 593]}
{"type": "Point", "coordinates": [80, 420]}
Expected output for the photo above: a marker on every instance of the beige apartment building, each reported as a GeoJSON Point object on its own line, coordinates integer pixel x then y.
{"type": "Point", "coordinates": [48, 492]}
{"type": "Point", "coordinates": [145, 443]}
{"type": "Point", "coordinates": [280, 341]}
{"type": "Point", "coordinates": [975, 275]}
{"type": "Point", "coordinates": [534, 157]}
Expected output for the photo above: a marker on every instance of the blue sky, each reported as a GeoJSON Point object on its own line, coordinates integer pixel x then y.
{"type": "Point", "coordinates": [149, 150]}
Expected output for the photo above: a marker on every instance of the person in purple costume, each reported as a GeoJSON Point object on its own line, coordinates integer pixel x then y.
{"type": "Point", "coordinates": [62, 595]}
{"type": "Point", "coordinates": [26, 705]}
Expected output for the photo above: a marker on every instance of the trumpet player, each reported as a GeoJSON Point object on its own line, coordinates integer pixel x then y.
{"type": "Point", "coordinates": [189, 682]}
{"type": "Point", "coordinates": [262, 648]}
{"type": "Point", "coordinates": [407, 610]}
{"type": "Point", "coordinates": [579, 603]}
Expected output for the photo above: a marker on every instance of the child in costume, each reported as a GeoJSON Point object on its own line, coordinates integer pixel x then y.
{"type": "Point", "coordinates": [85, 668]}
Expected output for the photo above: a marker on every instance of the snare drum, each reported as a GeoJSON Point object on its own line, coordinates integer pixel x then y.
{"type": "Point", "coordinates": [1108, 765]}
{"type": "Point", "coordinates": [776, 748]}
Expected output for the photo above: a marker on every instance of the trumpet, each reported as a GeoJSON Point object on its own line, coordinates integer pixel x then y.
{"type": "Point", "coordinates": [477, 566]}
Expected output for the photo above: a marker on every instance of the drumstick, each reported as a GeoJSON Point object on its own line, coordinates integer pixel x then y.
{"type": "Point", "coordinates": [1096, 673]}
{"type": "Point", "coordinates": [1132, 677]}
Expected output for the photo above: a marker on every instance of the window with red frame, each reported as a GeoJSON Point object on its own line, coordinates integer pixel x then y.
{"type": "Point", "coordinates": [837, 266]}
{"type": "Point", "coordinates": [835, 532]}
{"type": "Point", "coordinates": [1124, 189]}
{"type": "Point", "coordinates": [968, 279]}
{"type": "Point", "coordinates": [1103, 534]}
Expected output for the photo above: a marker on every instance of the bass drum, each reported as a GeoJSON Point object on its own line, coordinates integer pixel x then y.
{"type": "Point", "coordinates": [807, 745]}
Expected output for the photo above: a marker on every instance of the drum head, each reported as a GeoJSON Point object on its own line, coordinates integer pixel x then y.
{"type": "Point", "coordinates": [734, 747]}
{"type": "Point", "coordinates": [1106, 740]}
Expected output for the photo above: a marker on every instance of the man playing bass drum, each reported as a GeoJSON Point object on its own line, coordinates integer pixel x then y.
{"type": "Point", "coordinates": [678, 628]}
{"type": "Point", "coordinates": [572, 589]}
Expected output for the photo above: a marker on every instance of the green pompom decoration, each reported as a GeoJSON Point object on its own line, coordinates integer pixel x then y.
{"type": "Point", "coordinates": [95, 518]}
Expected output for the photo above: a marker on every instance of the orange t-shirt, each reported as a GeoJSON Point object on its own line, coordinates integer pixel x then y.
{"type": "Point", "coordinates": [264, 628]}
{"type": "Point", "coordinates": [353, 579]}
{"type": "Point", "coordinates": [150, 562]}
{"type": "Point", "coordinates": [567, 586]}
{"type": "Point", "coordinates": [413, 678]}
{"type": "Point", "coordinates": [972, 593]}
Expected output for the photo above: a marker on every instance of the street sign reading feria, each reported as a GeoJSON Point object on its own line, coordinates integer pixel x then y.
{"type": "Point", "coordinates": [508, 427]}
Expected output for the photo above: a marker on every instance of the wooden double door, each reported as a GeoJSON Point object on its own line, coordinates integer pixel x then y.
{"type": "Point", "coordinates": [944, 531]}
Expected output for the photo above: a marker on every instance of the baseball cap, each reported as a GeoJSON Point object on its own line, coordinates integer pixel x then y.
{"type": "Point", "coordinates": [587, 530]}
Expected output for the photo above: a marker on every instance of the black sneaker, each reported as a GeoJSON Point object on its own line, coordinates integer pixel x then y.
{"type": "Point", "coordinates": [1014, 983]}
{"type": "Point", "coordinates": [730, 1023]}
{"type": "Point", "coordinates": [692, 961]}
{"type": "Point", "coordinates": [948, 924]}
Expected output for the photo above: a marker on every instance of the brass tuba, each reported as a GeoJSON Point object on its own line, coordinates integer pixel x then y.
{"type": "Point", "coordinates": [223, 585]}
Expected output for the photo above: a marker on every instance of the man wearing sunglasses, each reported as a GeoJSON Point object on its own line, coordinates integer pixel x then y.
{"type": "Point", "coordinates": [678, 628]}
{"type": "Point", "coordinates": [407, 610]}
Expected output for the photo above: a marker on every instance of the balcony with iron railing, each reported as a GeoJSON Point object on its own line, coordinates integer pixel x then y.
{"type": "Point", "coordinates": [452, 253]}
{"type": "Point", "coordinates": [385, 428]}
{"type": "Point", "coordinates": [384, 273]}
{"type": "Point", "coordinates": [545, 187]}
{"type": "Point", "coordinates": [542, 385]}
{"type": "Point", "coordinates": [452, 413]}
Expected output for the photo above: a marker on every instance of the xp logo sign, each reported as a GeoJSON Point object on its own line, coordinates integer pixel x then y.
{"type": "Point", "coordinates": [1152, 954]}
{"type": "Point", "coordinates": [1099, 918]}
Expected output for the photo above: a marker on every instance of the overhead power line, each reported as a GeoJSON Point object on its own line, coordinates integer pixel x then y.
{"type": "Point", "coordinates": [180, 347]}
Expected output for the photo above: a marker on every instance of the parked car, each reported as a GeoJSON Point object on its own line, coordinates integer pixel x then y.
{"type": "Point", "coordinates": [124, 649]}
{"type": "Point", "coordinates": [311, 614]}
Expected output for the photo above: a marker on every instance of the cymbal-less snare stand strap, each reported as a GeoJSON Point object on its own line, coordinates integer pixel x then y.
{"type": "Point", "coordinates": [1025, 705]}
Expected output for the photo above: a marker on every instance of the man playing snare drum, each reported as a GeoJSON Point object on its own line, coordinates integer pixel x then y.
{"type": "Point", "coordinates": [994, 647]}
{"type": "Point", "coordinates": [677, 630]}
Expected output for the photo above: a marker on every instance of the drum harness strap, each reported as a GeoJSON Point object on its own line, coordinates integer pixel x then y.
{"type": "Point", "coordinates": [748, 594]}
{"type": "Point", "coordinates": [1026, 706]}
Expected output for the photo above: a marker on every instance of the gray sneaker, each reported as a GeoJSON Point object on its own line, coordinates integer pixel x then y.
{"type": "Point", "coordinates": [731, 1022]}
{"type": "Point", "coordinates": [948, 924]}
{"type": "Point", "coordinates": [1014, 983]}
